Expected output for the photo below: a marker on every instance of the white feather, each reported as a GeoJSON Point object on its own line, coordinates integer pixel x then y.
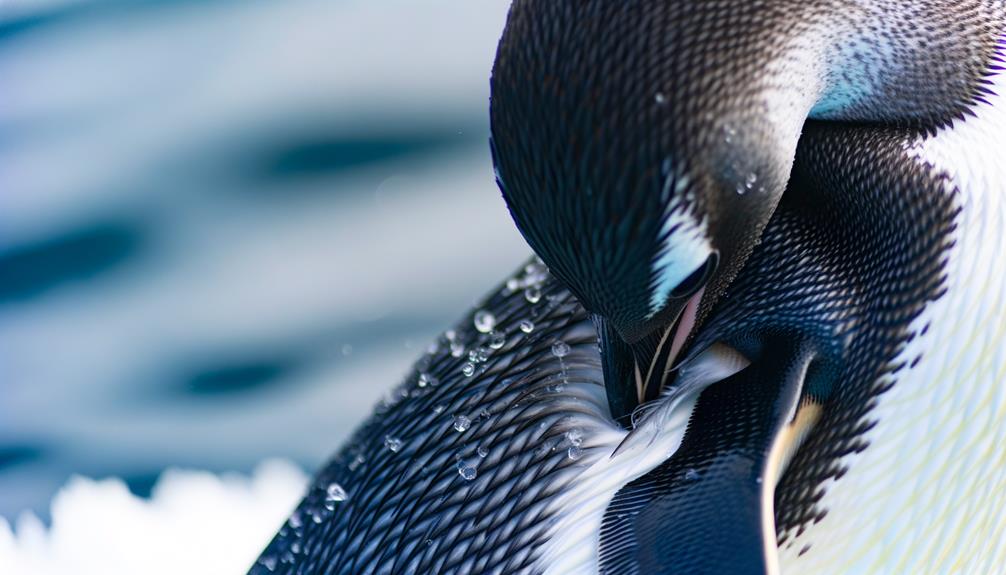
{"type": "Point", "coordinates": [572, 547]}
{"type": "Point", "coordinates": [685, 246]}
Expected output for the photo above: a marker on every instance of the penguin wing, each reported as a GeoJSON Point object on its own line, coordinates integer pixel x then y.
{"type": "Point", "coordinates": [455, 470]}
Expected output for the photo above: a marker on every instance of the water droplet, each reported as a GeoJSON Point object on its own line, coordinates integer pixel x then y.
{"type": "Point", "coordinates": [457, 349]}
{"type": "Point", "coordinates": [439, 408]}
{"type": "Point", "coordinates": [483, 451]}
{"type": "Point", "coordinates": [751, 180]}
{"type": "Point", "coordinates": [574, 452]}
{"type": "Point", "coordinates": [560, 349]}
{"type": "Point", "coordinates": [512, 285]}
{"type": "Point", "coordinates": [347, 349]}
{"type": "Point", "coordinates": [532, 295]}
{"type": "Point", "coordinates": [392, 443]}
{"type": "Point", "coordinates": [497, 340]}
{"type": "Point", "coordinates": [426, 379]}
{"type": "Point", "coordinates": [468, 369]}
{"type": "Point", "coordinates": [485, 321]}
{"type": "Point", "coordinates": [479, 355]}
{"type": "Point", "coordinates": [527, 326]}
{"type": "Point", "coordinates": [467, 470]}
{"type": "Point", "coordinates": [660, 98]}
{"type": "Point", "coordinates": [334, 493]}
{"type": "Point", "coordinates": [295, 547]}
{"type": "Point", "coordinates": [462, 423]}
{"type": "Point", "coordinates": [692, 475]}
{"type": "Point", "coordinates": [535, 274]}
{"type": "Point", "coordinates": [316, 516]}
{"type": "Point", "coordinates": [451, 335]}
{"type": "Point", "coordinates": [730, 133]}
{"type": "Point", "coordinates": [574, 436]}
{"type": "Point", "coordinates": [295, 521]}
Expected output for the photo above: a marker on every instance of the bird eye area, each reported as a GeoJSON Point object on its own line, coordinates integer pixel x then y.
{"type": "Point", "coordinates": [698, 278]}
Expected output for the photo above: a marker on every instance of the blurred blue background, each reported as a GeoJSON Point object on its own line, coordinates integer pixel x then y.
{"type": "Point", "coordinates": [228, 226]}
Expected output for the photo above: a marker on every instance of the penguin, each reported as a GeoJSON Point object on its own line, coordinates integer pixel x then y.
{"type": "Point", "coordinates": [709, 372]}
{"type": "Point", "coordinates": [627, 136]}
{"type": "Point", "coordinates": [646, 188]}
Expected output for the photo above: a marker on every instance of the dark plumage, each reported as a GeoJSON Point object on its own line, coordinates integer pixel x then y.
{"type": "Point", "coordinates": [596, 105]}
{"type": "Point", "coordinates": [635, 140]}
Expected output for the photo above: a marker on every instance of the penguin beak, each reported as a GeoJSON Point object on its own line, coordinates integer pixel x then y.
{"type": "Point", "coordinates": [636, 372]}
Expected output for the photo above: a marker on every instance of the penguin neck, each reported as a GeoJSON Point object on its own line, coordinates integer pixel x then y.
{"type": "Point", "coordinates": [933, 471]}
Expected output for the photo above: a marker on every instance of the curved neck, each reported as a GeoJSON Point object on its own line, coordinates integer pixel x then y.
{"type": "Point", "coordinates": [899, 61]}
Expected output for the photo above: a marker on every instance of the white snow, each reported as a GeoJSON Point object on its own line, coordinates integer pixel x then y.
{"type": "Point", "coordinates": [195, 523]}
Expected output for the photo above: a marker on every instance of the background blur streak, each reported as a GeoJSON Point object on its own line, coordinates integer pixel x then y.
{"type": "Point", "coordinates": [227, 227]}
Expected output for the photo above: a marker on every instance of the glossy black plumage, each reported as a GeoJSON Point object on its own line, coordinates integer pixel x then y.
{"type": "Point", "coordinates": [635, 140]}
{"type": "Point", "coordinates": [601, 109]}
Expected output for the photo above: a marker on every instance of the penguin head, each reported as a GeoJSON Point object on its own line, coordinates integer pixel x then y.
{"type": "Point", "coordinates": [640, 171]}
{"type": "Point", "coordinates": [636, 198]}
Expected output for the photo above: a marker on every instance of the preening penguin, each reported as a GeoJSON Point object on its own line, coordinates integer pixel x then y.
{"type": "Point", "coordinates": [774, 336]}
{"type": "Point", "coordinates": [642, 146]}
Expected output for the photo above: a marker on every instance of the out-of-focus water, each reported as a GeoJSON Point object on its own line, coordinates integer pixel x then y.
{"type": "Point", "coordinates": [227, 227]}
